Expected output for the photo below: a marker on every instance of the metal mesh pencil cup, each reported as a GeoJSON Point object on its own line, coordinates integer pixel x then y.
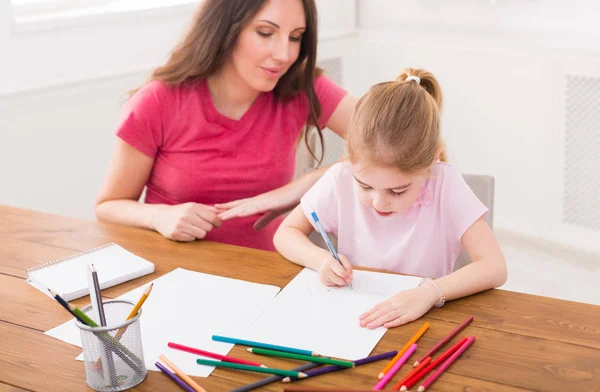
{"type": "Point", "coordinates": [113, 355]}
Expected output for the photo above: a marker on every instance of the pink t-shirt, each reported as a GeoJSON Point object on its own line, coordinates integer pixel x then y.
{"type": "Point", "coordinates": [205, 157]}
{"type": "Point", "coordinates": [424, 241]}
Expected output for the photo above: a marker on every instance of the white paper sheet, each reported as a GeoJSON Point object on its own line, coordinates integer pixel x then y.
{"type": "Point", "coordinates": [188, 307]}
{"type": "Point", "coordinates": [308, 315]}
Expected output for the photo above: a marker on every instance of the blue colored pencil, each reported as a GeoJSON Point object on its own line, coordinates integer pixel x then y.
{"type": "Point", "coordinates": [250, 343]}
{"type": "Point", "coordinates": [326, 239]}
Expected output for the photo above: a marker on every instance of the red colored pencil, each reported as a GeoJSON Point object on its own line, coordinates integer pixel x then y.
{"type": "Point", "coordinates": [415, 379]}
{"type": "Point", "coordinates": [447, 363]}
{"type": "Point", "coordinates": [208, 354]}
{"type": "Point", "coordinates": [446, 339]}
{"type": "Point", "coordinates": [416, 370]}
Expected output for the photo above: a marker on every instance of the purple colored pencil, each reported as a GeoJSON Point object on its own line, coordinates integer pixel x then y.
{"type": "Point", "coordinates": [174, 377]}
{"type": "Point", "coordinates": [335, 368]}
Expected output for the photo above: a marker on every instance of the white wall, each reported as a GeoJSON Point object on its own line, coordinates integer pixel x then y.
{"type": "Point", "coordinates": [61, 91]}
{"type": "Point", "coordinates": [502, 69]}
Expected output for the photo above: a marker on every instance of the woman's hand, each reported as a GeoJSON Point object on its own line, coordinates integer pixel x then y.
{"type": "Point", "coordinates": [272, 204]}
{"type": "Point", "coordinates": [186, 222]}
{"type": "Point", "coordinates": [332, 273]}
{"type": "Point", "coordinates": [400, 309]}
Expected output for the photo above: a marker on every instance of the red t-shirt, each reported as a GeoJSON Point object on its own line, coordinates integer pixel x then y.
{"type": "Point", "coordinates": [204, 157]}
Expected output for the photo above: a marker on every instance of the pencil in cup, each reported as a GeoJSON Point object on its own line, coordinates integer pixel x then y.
{"type": "Point", "coordinates": [333, 368]}
{"type": "Point", "coordinates": [282, 354]}
{"type": "Point", "coordinates": [209, 354]}
{"type": "Point", "coordinates": [447, 363]}
{"type": "Point", "coordinates": [388, 376]}
{"type": "Point", "coordinates": [182, 375]}
{"type": "Point", "coordinates": [418, 376]}
{"type": "Point", "coordinates": [327, 240]}
{"type": "Point", "coordinates": [135, 309]}
{"type": "Point", "coordinates": [257, 369]}
{"type": "Point", "coordinates": [412, 340]}
{"type": "Point", "coordinates": [445, 340]}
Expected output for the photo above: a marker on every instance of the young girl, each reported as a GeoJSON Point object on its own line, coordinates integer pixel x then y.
{"type": "Point", "coordinates": [396, 205]}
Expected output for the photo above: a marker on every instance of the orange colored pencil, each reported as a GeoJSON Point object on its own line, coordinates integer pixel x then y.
{"type": "Point", "coordinates": [415, 379]}
{"type": "Point", "coordinates": [416, 370]}
{"type": "Point", "coordinates": [412, 340]}
{"type": "Point", "coordinates": [181, 374]}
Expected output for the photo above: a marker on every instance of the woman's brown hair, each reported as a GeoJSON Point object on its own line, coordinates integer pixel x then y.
{"type": "Point", "coordinates": [398, 123]}
{"type": "Point", "coordinates": [211, 39]}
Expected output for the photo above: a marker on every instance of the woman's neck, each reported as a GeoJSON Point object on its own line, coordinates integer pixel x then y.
{"type": "Point", "coordinates": [231, 95]}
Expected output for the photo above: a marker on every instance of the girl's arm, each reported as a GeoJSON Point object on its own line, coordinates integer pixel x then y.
{"type": "Point", "coordinates": [487, 270]}
{"type": "Point", "coordinates": [291, 240]}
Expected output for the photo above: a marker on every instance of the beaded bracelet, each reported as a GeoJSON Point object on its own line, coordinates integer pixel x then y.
{"type": "Point", "coordinates": [439, 290]}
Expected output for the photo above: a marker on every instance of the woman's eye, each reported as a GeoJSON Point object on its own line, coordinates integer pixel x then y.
{"type": "Point", "coordinates": [295, 39]}
{"type": "Point", "coordinates": [263, 34]}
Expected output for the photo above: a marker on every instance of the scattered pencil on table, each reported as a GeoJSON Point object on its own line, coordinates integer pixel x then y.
{"type": "Point", "coordinates": [273, 378]}
{"type": "Point", "coordinates": [282, 354]}
{"type": "Point", "coordinates": [182, 375]}
{"type": "Point", "coordinates": [412, 373]}
{"type": "Point", "coordinates": [333, 368]}
{"type": "Point", "coordinates": [209, 354]}
{"type": "Point", "coordinates": [176, 379]}
{"type": "Point", "coordinates": [257, 369]}
{"type": "Point", "coordinates": [445, 340]}
{"type": "Point", "coordinates": [268, 346]}
{"type": "Point", "coordinates": [412, 340]}
{"type": "Point", "coordinates": [415, 379]}
{"type": "Point", "coordinates": [388, 376]}
{"type": "Point", "coordinates": [447, 363]}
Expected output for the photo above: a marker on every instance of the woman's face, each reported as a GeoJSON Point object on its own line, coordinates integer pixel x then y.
{"type": "Point", "coordinates": [268, 46]}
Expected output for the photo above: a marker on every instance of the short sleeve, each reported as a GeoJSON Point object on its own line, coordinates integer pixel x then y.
{"type": "Point", "coordinates": [329, 95]}
{"type": "Point", "coordinates": [462, 206]}
{"type": "Point", "coordinates": [142, 123]}
{"type": "Point", "coordinates": [323, 199]}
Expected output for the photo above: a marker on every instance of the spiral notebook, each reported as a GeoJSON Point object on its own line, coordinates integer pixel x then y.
{"type": "Point", "coordinates": [68, 276]}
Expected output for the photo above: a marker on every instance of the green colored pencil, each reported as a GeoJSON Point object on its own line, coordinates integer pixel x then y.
{"type": "Point", "coordinates": [329, 361]}
{"type": "Point", "coordinates": [279, 372]}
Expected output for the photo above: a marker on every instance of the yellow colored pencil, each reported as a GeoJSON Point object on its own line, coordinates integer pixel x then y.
{"type": "Point", "coordinates": [135, 310]}
{"type": "Point", "coordinates": [412, 340]}
{"type": "Point", "coordinates": [181, 374]}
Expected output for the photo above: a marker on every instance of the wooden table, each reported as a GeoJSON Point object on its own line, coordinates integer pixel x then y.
{"type": "Point", "coordinates": [524, 342]}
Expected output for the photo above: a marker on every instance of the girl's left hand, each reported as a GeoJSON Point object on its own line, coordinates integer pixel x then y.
{"type": "Point", "coordinates": [273, 203]}
{"type": "Point", "coordinates": [400, 309]}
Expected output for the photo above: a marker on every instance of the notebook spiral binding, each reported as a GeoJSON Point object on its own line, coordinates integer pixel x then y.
{"type": "Point", "coordinates": [54, 262]}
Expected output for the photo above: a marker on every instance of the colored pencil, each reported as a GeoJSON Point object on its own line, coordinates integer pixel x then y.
{"type": "Point", "coordinates": [209, 354]}
{"type": "Point", "coordinates": [325, 360]}
{"type": "Point", "coordinates": [65, 305]}
{"type": "Point", "coordinates": [447, 363]}
{"type": "Point", "coordinates": [98, 295]}
{"type": "Point", "coordinates": [415, 379]}
{"type": "Point", "coordinates": [182, 375]}
{"type": "Point", "coordinates": [390, 373]}
{"type": "Point", "coordinates": [250, 343]}
{"type": "Point", "coordinates": [279, 372]}
{"type": "Point", "coordinates": [174, 377]}
{"type": "Point", "coordinates": [135, 310]}
{"type": "Point", "coordinates": [329, 369]}
{"type": "Point", "coordinates": [414, 371]}
{"type": "Point", "coordinates": [274, 378]}
{"type": "Point", "coordinates": [317, 389]}
{"type": "Point", "coordinates": [321, 230]}
{"type": "Point", "coordinates": [445, 340]}
{"type": "Point", "coordinates": [412, 340]}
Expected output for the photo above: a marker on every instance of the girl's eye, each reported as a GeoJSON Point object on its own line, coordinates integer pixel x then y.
{"type": "Point", "coordinates": [397, 193]}
{"type": "Point", "coordinates": [366, 188]}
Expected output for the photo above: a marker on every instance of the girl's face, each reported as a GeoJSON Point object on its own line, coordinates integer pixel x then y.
{"type": "Point", "coordinates": [268, 46]}
{"type": "Point", "coordinates": [386, 189]}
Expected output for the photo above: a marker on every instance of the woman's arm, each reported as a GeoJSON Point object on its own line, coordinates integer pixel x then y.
{"type": "Point", "coordinates": [282, 200]}
{"type": "Point", "coordinates": [117, 202]}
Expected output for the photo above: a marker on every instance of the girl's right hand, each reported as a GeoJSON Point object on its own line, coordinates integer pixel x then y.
{"type": "Point", "coordinates": [186, 222]}
{"type": "Point", "coordinates": [332, 273]}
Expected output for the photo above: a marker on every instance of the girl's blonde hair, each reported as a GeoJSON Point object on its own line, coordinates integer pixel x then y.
{"type": "Point", "coordinates": [398, 123]}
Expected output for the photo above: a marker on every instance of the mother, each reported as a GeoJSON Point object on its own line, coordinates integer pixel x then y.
{"type": "Point", "coordinates": [213, 134]}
